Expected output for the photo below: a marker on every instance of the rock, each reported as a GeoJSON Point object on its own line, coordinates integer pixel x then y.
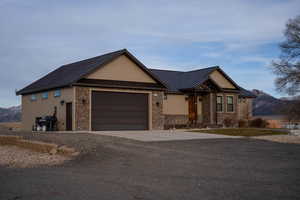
{"type": "Point", "coordinates": [295, 132]}
{"type": "Point", "coordinates": [66, 150]}
{"type": "Point", "coordinates": [53, 151]}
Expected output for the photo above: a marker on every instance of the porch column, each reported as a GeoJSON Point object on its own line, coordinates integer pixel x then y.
{"type": "Point", "coordinates": [211, 108]}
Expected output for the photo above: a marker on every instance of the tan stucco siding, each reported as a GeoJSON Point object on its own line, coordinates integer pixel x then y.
{"type": "Point", "coordinates": [221, 80]}
{"type": "Point", "coordinates": [42, 107]}
{"type": "Point", "coordinates": [245, 108]}
{"type": "Point", "coordinates": [199, 107]}
{"type": "Point", "coordinates": [122, 69]}
{"type": "Point", "coordinates": [175, 105]}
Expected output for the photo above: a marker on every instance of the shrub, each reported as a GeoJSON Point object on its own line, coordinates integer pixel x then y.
{"type": "Point", "coordinates": [258, 123]}
{"type": "Point", "coordinates": [243, 123]}
{"type": "Point", "coordinates": [228, 122]}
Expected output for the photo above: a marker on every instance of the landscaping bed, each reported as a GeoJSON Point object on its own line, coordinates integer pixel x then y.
{"type": "Point", "coordinates": [16, 157]}
{"type": "Point", "coordinates": [247, 132]}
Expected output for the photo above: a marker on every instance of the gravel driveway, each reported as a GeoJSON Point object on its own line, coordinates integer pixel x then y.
{"type": "Point", "coordinates": [116, 168]}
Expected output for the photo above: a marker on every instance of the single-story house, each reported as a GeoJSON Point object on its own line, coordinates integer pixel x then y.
{"type": "Point", "coordinates": [115, 91]}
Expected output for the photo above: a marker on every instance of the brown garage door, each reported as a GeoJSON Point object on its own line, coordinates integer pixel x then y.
{"type": "Point", "coordinates": [119, 111]}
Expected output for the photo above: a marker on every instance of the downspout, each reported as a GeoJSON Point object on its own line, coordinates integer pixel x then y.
{"type": "Point", "coordinates": [216, 113]}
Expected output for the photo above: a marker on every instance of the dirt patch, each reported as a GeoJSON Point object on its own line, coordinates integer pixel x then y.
{"type": "Point", "coordinates": [16, 126]}
{"type": "Point", "coordinates": [16, 157]}
{"type": "Point", "coordinates": [37, 146]}
{"type": "Point", "coordinates": [280, 138]}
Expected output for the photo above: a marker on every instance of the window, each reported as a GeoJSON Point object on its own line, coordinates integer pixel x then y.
{"type": "Point", "coordinates": [33, 97]}
{"type": "Point", "coordinates": [57, 93]}
{"type": "Point", "coordinates": [219, 103]}
{"type": "Point", "coordinates": [229, 103]}
{"type": "Point", "coordinates": [45, 95]}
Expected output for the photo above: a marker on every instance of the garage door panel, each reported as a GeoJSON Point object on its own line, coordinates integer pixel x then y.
{"type": "Point", "coordinates": [112, 115]}
{"type": "Point", "coordinates": [119, 127]}
{"type": "Point", "coordinates": [119, 111]}
{"type": "Point", "coordinates": [113, 120]}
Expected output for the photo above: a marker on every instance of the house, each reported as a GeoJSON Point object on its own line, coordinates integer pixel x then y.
{"type": "Point", "coordinates": [115, 91]}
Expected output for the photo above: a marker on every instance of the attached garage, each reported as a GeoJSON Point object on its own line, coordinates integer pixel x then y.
{"type": "Point", "coordinates": [119, 111]}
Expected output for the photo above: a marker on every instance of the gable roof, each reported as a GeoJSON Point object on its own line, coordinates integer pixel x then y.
{"type": "Point", "coordinates": [68, 74]}
{"type": "Point", "coordinates": [178, 80]}
{"type": "Point", "coordinates": [246, 93]}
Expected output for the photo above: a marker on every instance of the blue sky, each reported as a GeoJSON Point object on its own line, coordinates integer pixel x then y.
{"type": "Point", "coordinates": [240, 36]}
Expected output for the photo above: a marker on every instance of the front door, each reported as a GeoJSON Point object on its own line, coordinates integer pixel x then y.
{"type": "Point", "coordinates": [69, 116]}
{"type": "Point", "coordinates": [192, 108]}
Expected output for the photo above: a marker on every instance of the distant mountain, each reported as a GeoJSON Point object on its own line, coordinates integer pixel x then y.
{"type": "Point", "coordinates": [290, 98]}
{"type": "Point", "coordinates": [12, 114]}
{"type": "Point", "coordinates": [265, 104]}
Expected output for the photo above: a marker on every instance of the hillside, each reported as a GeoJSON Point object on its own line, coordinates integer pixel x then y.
{"type": "Point", "coordinates": [265, 104]}
{"type": "Point", "coordinates": [12, 114]}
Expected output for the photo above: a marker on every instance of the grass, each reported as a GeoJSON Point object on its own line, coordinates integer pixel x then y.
{"type": "Point", "coordinates": [247, 132]}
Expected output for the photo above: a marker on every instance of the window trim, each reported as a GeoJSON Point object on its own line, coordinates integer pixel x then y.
{"type": "Point", "coordinates": [222, 103]}
{"type": "Point", "coordinates": [45, 95]}
{"type": "Point", "coordinates": [57, 93]}
{"type": "Point", "coordinates": [33, 99]}
{"type": "Point", "coordinates": [233, 109]}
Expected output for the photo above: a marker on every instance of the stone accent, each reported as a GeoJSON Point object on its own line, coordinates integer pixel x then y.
{"type": "Point", "coordinates": [82, 108]}
{"type": "Point", "coordinates": [245, 108]}
{"type": "Point", "coordinates": [209, 110]}
{"type": "Point", "coordinates": [206, 106]}
{"type": "Point", "coordinates": [158, 119]}
{"type": "Point", "coordinates": [176, 119]}
{"type": "Point", "coordinates": [199, 119]}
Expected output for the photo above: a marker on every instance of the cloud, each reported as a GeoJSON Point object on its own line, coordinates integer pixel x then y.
{"type": "Point", "coordinates": [38, 36]}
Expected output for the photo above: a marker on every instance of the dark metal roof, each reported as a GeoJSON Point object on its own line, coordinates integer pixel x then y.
{"type": "Point", "coordinates": [68, 74]}
{"type": "Point", "coordinates": [246, 93]}
{"type": "Point", "coordinates": [178, 80]}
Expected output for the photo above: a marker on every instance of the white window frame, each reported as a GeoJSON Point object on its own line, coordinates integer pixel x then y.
{"type": "Point", "coordinates": [222, 102]}
{"type": "Point", "coordinates": [45, 95]}
{"type": "Point", "coordinates": [233, 108]}
{"type": "Point", "coordinates": [33, 97]}
{"type": "Point", "coordinates": [57, 93]}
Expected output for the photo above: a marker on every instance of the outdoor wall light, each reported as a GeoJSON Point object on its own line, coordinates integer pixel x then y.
{"type": "Point", "coordinates": [83, 101]}
{"type": "Point", "coordinates": [62, 102]}
{"type": "Point", "coordinates": [186, 98]}
{"type": "Point", "coordinates": [157, 104]}
{"type": "Point", "coordinates": [200, 98]}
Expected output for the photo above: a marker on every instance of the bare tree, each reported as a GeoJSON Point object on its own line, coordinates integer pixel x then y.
{"type": "Point", "coordinates": [287, 68]}
{"type": "Point", "coordinates": [291, 111]}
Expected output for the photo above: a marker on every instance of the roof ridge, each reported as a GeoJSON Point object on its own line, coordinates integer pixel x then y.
{"type": "Point", "coordinates": [186, 71]}
{"type": "Point", "coordinates": [216, 67]}
{"type": "Point", "coordinates": [106, 54]}
{"type": "Point", "coordinates": [165, 70]}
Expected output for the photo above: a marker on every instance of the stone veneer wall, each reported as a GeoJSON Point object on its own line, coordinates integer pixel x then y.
{"type": "Point", "coordinates": [82, 110]}
{"type": "Point", "coordinates": [176, 120]}
{"type": "Point", "coordinates": [206, 104]}
{"type": "Point", "coordinates": [232, 115]}
{"type": "Point", "coordinates": [209, 103]}
{"type": "Point", "coordinates": [158, 119]}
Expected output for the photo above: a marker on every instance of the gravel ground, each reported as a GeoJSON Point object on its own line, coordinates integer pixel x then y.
{"type": "Point", "coordinates": [115, 168]}
{"type": "Point", "coordinates": [84, 143]}
{"type": "Point", "coordinates": [280, 138]}
{"type": "Point", "coordinates": [16, 157]}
